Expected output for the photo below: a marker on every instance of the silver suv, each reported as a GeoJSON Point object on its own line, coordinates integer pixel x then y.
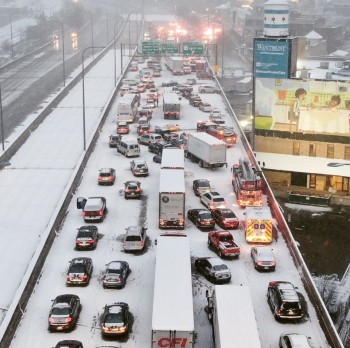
{"type": "Point", "coordinates": [139, 168]}
{"type": "Point", "coordinates": [135, 238]}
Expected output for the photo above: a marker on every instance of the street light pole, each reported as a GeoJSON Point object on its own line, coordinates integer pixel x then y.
{"type": "Point", "coordinates": [222, 50]}
{"type": "Point", "coordinates": [63, 62]}
{"type": "Point", "coordinates": [2, 123]}
{"type": "Point", "coordinates": [12, 51]}
{"type": "Point", "coordinates": [83, 84]}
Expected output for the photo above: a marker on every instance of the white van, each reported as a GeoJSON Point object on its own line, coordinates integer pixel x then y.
{"type": "Point", "coordinates": [129, 148]}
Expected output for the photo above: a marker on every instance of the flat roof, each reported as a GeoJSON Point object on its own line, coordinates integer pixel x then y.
{"type": "Point", "coordinates": [173, 299]}
{"type": "Point", "coordinates": [172, 180]}
{"type": "Point", "coordinates": [236, 317]}
{"type": "Point", "coordinates": [207, 138]}
{"type": "Point", "coordinates": [173, 159]}
{"type": "Point", "coordinates": [302, 164]}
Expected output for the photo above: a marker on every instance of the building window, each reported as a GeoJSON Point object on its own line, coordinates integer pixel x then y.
{"type": "Point", "coordinates": [347, 153]}
{"type": "Point", "coordinates": [312, 180]}
{"type": "Point", "coordinates": [330, 151]}
{"type": "Point", "coordinates": [312, 150]}
{"type": "Point", "coordinates": [296, 148]}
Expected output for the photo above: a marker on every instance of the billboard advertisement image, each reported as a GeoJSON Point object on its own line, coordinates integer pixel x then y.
{"type": "Point", "coordinates": [295, 105]}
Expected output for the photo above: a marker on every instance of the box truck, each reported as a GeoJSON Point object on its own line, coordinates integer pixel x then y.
{"type": "Point", "coordinates": [172, 316]}
{"type": "Point", "coordinates": [207, 150]}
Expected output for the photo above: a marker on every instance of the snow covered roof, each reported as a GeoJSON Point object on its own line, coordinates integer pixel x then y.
{"type": "Point", "coordinates": [302, 164]}
{"type": "Point", "coordinates": [313, 35]}
{"type": "Point", "coordinates": [339, 53]}
{"type": "Point", "coordinates": [172, 301]}
{"type": "Point", "coordinates": [172, 180]}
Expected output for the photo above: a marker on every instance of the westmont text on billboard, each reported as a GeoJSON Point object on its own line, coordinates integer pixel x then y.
{"type": "Point", "coordinates": [271, 58]}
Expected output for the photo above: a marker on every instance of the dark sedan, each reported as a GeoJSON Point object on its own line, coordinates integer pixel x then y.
{"type": "Point", "coordinates": [69, 344]}
{"type": "Point", "coordinates": [201, 218]}
{"type": "Point", "coordinates": [115, 319]}
{"type": "Point", "coordinates": [64, 312]}
{"type": "Point", "coordinates": [225, 218]}
{"type": "Point", "coordinates": [115, 274]}
{"type": "Point", "coordinates": [87, 237]}
{"type": "Point", "coordinates": [79, 271]}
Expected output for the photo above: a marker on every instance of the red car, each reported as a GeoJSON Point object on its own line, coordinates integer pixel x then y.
{"type": "Point", "coordinates": [122, 128]}
{"type": "Point", "coordinates": [225, 218]}
{"type": "Point", "coordinates": [143, 129]}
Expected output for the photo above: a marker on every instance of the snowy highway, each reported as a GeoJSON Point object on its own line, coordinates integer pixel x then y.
{"type": "Point", "coordinates": [37, 175]}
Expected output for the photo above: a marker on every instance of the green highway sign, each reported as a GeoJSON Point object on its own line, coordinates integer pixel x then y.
{"type": "Point", "coordinates": [150, 48]}
{"type": "Point", "coordinates": [193, 48]}
{"type": "Point", "coordinates": [170, 48]}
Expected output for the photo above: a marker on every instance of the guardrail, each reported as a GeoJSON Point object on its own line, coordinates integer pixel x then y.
{"type": "Point", "coordinates": [17, 307]}
{"type": "Point", "coordinates": [310, 287]}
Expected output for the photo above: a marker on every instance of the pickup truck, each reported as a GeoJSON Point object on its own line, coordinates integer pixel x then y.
{"type": "Point", "coordinates": [223, 243]}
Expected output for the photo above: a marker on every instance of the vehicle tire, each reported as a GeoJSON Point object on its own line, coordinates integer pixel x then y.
{"type": "Point", "coordinates": [221, 255]}
{"type": "Point", "coordinates": [201, 163]}
{"type": "Point", "coordinates": [209, 242]}
{"type": "Point", "coordinates": [126, 197]}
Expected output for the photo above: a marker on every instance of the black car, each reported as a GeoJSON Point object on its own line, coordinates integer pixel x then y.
{"type": "Point", "coordinates": [132, 189]}
{"type": "Point", "coordinates": [284, 300]}
{"type": "Point", "coordinates": [157, 159]}
{"type": "Point", "coordinates": [169, 136]}
{"type": "Point", "coordinates": [114, 140]}
{"type": "Point", "coordinates": [87, 237]}
{"type": "Point", "coordinates": [115, 274]}
{"type": "Point", "coordinates": [64, 312]}
{"type": "Point", "coordinates": [179, 143]}
{"type": "Point", "coordinates": [170, 83]}
{"type": "Point", "coordinates": [201, 186]}
{"type": "Point", "coordinates": [69, 344]}
{"type": "Point", "coordinates": [79, 271]}
{"type": "Point", "coordinates": [157, 148]}
{"type": "Point", "coordinates": [213, 269]}
{"type": "Point", "coordinates": [201, 218]}
{"type": "Point", "coordinates": [115, 319]}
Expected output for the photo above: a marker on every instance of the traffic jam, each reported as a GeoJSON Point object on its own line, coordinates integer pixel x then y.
{"type": "Point", "coordinates": [97, 287]}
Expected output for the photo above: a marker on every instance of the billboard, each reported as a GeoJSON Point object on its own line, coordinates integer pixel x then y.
{"type": "Point", "coordinates": [271, 58]}
{"type": "Point", "coordinates": [309, 106]}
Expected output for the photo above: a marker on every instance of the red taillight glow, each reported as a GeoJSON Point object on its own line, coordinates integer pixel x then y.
{"type": "Point", "coordinates": [100, 212]}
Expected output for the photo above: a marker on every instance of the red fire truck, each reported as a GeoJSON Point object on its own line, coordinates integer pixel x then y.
{"type": "Point", "coordinates": [224, 133]}
{"type": "Point", "coordinates": [247, 183]}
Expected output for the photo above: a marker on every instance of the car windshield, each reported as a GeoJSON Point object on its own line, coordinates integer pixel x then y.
{"type": "Point", "coordinates": [77, 268]}
{"type": "Point", "coordinates": [226, 238]}
{"type": "Point", "coordinates": [133, 238]}
{"type": "Point", "coordinates": [105, 174]}
{"type": "Point", "coordinates": [228, 214]}
{"type": "Point", "coordinates": [218, 200]}
{"type": "Point", "coordinates": [84, 234]}
{"type": "Point", "coordinates": [205, 215]}
{"type": "Point", "coordinates": [203, 184]}
{"type": "Point", "coordinates": [290, 305]}
{"type": "Point", "coordinates": [115, 318]}
{"type": "Point", "coordinates": [220, 268]}
{"type": "Point", "coordinates": [62, 310]}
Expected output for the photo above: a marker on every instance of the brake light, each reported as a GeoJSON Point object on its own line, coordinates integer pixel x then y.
{"type": "Point", "coordinates": [84, 277]}
{"type": "Point", "coordinates": [138, 190]}
{"type": "Point", "coordinates": [100, 212]}
{"type": "Point", "coordinates": [142, 243]}
{"type": "Point", "coordinates": [127, 190]}
{"type": "Point", "coordinates": [68, 320]}
{"type": "Point", "coordinates": [91, 241]}
{"type": "Point", "coordinates": [85, 213]}
{"type": "Point", "coordinates": [52, 320]}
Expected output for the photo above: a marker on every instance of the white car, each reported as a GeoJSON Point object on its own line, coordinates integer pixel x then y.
{"type": "Point", "coordinates": [263, 258]}
{"type": "Point", "coordinates": [206, 107]}
{"type": "Point", "coordinates": [216, 116]}
{"type": "Point", "coordinates": [208, 89]}
{"type": "Point", "coordinates": [213, 200]}
{"type": "Point", "coordinates": [295, 340]}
